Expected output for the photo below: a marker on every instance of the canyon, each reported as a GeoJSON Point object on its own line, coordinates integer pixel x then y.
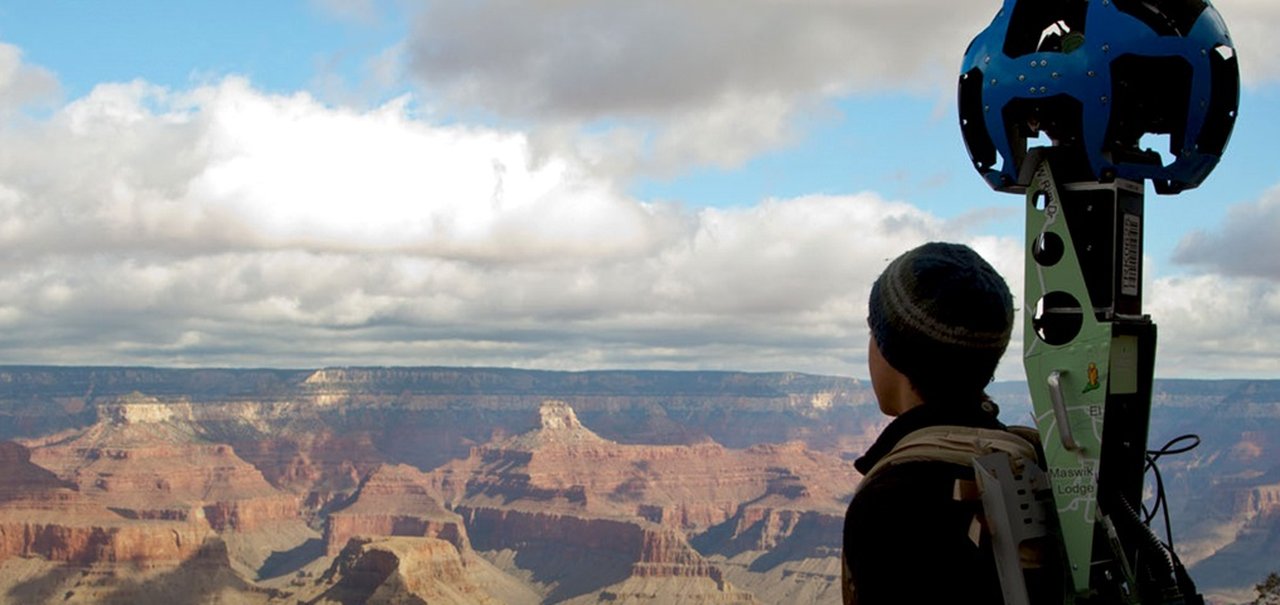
{"type": "Point", "coordinates": [474, 485]}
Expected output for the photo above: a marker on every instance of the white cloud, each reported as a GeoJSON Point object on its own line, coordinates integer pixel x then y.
{"type": "Point", "coordinates": [1244, 245]}
{"type": "Point", "coordinates": [225, 225]}
{"type": "Point", "coordinates": [1216, 326]}
{"type": "Point", "coordinates": [1224, 318]}
{"type": "Point", "coordinates": [716, 81]}
{"type": "Point", "coordinates": [224, 167]}
{"type": "Point", "coordinates": [1253, 25]}
{"type": "Point", "coordinates": [726, 134]}
{"type": "Point", "coordinates": [22, 84]}
{"type": "Point", "coordinates": [592, 59]}
{"type": "Point", "coordinates": [711, 82]}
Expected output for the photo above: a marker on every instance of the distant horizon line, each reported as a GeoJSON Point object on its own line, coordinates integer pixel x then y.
{"type": "Point", "coordinates": [11, 366]}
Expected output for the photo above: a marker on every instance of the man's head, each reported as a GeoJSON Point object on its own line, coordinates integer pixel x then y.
{"type": "Point", "coordinates": [941, 316]}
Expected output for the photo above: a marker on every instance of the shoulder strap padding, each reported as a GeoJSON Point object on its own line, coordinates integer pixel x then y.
{"type": "Point", "coordinates": [955, 444]}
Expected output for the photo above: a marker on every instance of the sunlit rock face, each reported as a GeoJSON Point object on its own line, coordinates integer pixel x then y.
{"type": "Point", "coordinates": [148, 460]}
{"type": "Point", "coordinates": [561, 490]}
{"type": "Point", "coordinates": [395, 501]}
{"type": "Point", "coordinates": [42, 515]}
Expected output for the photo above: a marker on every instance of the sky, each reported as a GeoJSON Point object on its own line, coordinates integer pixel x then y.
{"type": "Point", "coordinates": [553, 184]}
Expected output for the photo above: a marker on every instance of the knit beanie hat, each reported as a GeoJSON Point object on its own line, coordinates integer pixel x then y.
{"type": "Point", "coordinates": [942, 316]}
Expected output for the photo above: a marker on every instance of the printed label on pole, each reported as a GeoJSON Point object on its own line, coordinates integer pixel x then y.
{"type": "Point", "coordinates": [1131, 255]}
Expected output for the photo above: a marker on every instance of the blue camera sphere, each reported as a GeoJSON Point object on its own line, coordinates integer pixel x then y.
{"type": "Point", "coordinates": [1097, 78]}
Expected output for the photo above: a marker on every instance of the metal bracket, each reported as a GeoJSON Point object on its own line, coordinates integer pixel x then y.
{"type": "Point", "coordinates": [1015, 504]}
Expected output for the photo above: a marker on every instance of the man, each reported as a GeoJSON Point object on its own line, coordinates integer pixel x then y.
{"type": "Point", "coordinates": [940, 319]}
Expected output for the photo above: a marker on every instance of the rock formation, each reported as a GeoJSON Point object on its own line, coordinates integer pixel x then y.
{"type": "Point", "coordinates": [133, 484]}
{"type": "Point", "coordinates": [402, 570]}
{"type": "Point", "coordinates": [563, 491]}
{"type": "Point", "coordinates": [44, 516]}
{"type": "Point", "coordinates": [140, 486]}
{"type": "Point", "coordinates": [394, 501]}
{"type": "Point", "coordinates": [146, 461]}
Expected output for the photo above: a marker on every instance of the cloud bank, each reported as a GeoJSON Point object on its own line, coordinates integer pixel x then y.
{"type": "Point", "coordinates": [717, 81]}
{"type": "Point", "coordinates": [227, 226]}
{"type": "Point", "coordinates": [1225, 315]}
{"type": "Point", "coordinates": [1244, 245]}
{"type": "Point", "coordinates": [224, 225]}
{"type": "Point", "coordinates": [586, 59]}
{"type": "Point", "coordinates": [707, 82]}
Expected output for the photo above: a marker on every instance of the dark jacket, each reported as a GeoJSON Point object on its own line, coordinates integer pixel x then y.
{"type": "Point", "coordinates": [907, 538]}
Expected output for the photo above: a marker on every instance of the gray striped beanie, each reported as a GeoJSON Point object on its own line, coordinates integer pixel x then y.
{"type": "Point", "coordinates": [942, 316]}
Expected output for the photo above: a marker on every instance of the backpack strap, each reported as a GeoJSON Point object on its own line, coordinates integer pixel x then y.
{"type": "Point", "coordinates": [955, 444]}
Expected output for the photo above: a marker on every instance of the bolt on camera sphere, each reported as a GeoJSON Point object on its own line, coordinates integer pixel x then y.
{"type": "Point", "coordinates": [1096, 77]}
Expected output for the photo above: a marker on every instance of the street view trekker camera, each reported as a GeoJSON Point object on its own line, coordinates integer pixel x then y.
{"type": "Point", "coordinates": [1076, 103]}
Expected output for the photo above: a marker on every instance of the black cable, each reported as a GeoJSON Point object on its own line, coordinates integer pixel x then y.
{"type": "Point", "coordinates": [1185, 583]}
{"type": "Point", "coordinates": [1161, 504]}
{"type": "Point", "coordinates": [1151, 467]}
{"type": "Point", "coordinates": [1161, 570]}
{"type": "Point", "coordinates": [1169, 450]}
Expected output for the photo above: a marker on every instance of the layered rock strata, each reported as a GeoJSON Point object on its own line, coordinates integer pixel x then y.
{"type": "Point", "coordinates": [44, 516]}
{"type": "Point", "coordinates": [146, 461]}
{"type": "Point", "coordinates": [402, 570]}
{"type": "Point", "coordinates": [394, 501]}
{"type": "Point", "coordinates": [561, 488]}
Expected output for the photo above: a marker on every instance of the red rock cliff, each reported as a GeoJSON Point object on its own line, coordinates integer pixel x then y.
{"type": "Point", "coordinates": [146, 461]}
{"type": "Point", "coordinates": [43, 516]}
{"type": "Point", "coordinates": [394, 501]}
